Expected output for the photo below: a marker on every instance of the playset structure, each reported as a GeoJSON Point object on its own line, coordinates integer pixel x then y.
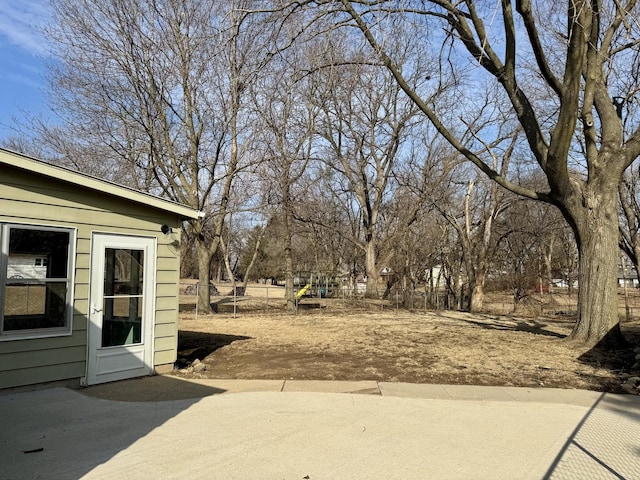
{"type": "Point", "coordinates": [317, 284]}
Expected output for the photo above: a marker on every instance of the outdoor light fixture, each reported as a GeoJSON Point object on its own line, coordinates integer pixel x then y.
{"type": "Point", "coordinates": [166, 229]}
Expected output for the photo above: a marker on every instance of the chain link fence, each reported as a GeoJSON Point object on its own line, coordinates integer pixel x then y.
{"type": "Point", "coordinates": [262, 298]}
{"type": "Point", "coordinates": [227, 298]}
{"type": "Point", "coordinates": [267, 298]}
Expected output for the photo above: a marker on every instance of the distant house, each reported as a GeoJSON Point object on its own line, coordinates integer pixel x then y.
{"type": "Point", "coordinates": [628, 277]}
{"type": "Point", "coordinates": [30, 265]}
{"type": "Point", "coordinates": [437, 277]}
{"type": "Point", "coordinates": [89, 276]}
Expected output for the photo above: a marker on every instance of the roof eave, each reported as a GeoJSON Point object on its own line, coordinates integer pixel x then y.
{"type": "Point", "coordinates": [19, 160]}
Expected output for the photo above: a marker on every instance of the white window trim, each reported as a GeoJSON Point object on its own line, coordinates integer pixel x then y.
{"type": "Point", "coordinates": [71, 270]}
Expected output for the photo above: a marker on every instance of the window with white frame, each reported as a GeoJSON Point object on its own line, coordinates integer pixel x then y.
{"type": "Point", "coordinates": [35, 280]}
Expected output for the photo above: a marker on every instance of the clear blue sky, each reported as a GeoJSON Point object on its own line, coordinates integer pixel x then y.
{"type": "Point", "coordinates": [23, 54]}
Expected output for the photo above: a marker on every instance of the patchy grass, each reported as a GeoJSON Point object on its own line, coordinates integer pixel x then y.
{"type": "Point", "coordinates": [386, 344]}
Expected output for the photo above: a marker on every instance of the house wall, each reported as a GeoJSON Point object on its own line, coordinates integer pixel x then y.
{"type": "Point", "coordinates": [34, 266]}
{"type": "Point", "coordinates": [29, 198]}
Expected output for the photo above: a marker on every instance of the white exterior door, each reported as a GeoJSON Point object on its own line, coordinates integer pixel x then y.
{"type": "Point", "coordinates": [121, 308]}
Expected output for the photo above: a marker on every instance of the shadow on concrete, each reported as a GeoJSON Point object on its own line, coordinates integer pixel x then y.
{"type": "Point", "coordinates": [63, 433]}
{"type": "Point", "coordinates": [601, 444]}
{"type": "Point", "coordinates": [158, 388]}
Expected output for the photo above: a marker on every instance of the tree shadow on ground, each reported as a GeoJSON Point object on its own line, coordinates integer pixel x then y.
{"type": "Point", "coordinates": [194, 345]}
{"type": "Point", "coordinates": [237, 304]}
{"type": "Point", "coordinates": [224, 304]}
{"type": "Point", "coordinates": [621, 358]}
{"type": "Point", "coordinates": [309, 306]}
{"type": "Point", "coordinates": [221, 305]}
{"type": "Point", "coordinates": [508, 324]}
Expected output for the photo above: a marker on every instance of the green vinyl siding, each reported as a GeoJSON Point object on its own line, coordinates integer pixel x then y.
{"type": "Point", "coordinates": [165, 344]}
{"type": "Point", "coordinates": [78, 338]}
{"type": "Point", "coordinates": [43, 374]}
{"type": "Point", "coordinates": [36, 358]}
{"type": "Point", "coordinates": [164, 357]}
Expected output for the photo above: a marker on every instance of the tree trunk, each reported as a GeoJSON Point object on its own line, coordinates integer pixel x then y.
{"type": "Point", "coordinates": [477, 277]}
{"type": "Point", "coordinates": [371, 270]}
{"type": "Point", "coordinates": [288, 280]}
{"type": "Point", "coordinates": [204, 272]}
{"type": "Point", "coordinates": [548, 252]}
{"type": "Point", "coordinates": [476, 302]}
{"type": "Point", "coordinates": [636, 259]}
{"type": "Point", "coordinates": [475, 247]}
{"type": "Point", "coordinates": [287, 210]}
{"type": "Point", "coordinates": [227, 265]}
{"type": "Point", "coordinates": [596, 230]}
{"type": "Point", "coordinates": [254, 257]}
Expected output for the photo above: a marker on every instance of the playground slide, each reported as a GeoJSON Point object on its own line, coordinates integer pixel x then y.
{"type": "Point", "coordinates": [303, 290]}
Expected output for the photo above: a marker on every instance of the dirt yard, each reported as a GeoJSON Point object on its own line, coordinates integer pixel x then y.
{"type": "Point", "coordinates": [394, 345]}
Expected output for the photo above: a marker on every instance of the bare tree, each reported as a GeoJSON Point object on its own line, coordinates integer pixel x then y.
{"type": "Point", "coordinates": [22, 144]}
{"type": "Point", "coordinates": [630, 216]}
{"type": "Point", "coordinates": [530, 236]}
{"type": "Point", "coordinates": [327, 223]}
{"type": "Point", "coordinates": [136, 82]}
{"type": "Point", "coordinates": [364, 130]}
{"type": "Point", "coordinates": [285, 125]}
{"type": "Point", "coordinates": [415, 246]}
{"type": "Point", "coordinates": [568, 79]}
{"type": "Point", "coordinates": [472, 214]}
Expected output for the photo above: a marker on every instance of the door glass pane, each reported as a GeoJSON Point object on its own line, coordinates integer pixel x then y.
{"type": "Point", "coordinates": [122, 302]}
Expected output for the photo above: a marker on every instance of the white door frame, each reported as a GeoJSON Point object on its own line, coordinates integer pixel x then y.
{"type": "Point", "coordinates": [135, 359]}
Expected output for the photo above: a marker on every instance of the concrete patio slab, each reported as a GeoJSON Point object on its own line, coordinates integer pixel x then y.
{"type": "Point", "coordinates": [370, 387]}
{"type": "Point", "coordinates": [272, 434]}
{"type": "Point", "coordinates": [504, 394]}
